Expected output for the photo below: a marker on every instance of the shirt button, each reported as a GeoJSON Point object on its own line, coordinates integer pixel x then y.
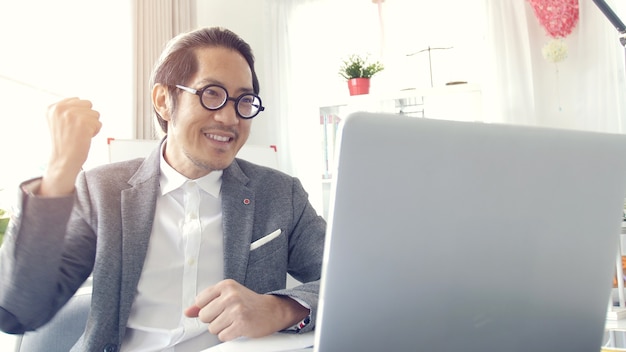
{"type": "Point", "coordinates": [191, 262]}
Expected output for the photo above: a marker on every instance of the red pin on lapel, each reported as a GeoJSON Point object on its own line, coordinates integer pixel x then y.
{"type": "Point", "coordinates": [246, 201]}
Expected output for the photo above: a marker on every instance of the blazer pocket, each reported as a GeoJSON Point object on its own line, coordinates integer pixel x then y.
{"type": "Point", "coordinates": [263, 240]}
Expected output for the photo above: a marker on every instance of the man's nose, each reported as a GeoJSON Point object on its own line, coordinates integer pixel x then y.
{"type": "Point", "coordinates": [227, 114]}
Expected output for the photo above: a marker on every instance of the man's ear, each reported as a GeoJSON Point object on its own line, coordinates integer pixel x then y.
{"type": "Point", "coordinates": [160, 100]}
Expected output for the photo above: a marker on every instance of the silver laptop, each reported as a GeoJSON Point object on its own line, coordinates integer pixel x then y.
{"type": "Point", "coordinates": [455, 236]}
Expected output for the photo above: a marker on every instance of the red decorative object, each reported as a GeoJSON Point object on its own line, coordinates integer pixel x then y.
{"type": "Point", "coordinates": [359, 86]}
{"type": "Point", "coordinates": [558, 17]}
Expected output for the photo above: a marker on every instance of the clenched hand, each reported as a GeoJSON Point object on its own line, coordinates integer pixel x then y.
{"type": "Point", "coordinates": [72, 123]}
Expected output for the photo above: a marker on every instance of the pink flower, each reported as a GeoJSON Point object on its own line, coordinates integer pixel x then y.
{"type": "Point", "coordinates": [558, 17]}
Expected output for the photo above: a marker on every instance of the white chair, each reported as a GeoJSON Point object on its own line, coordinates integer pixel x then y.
{"type": "Point", "coordinates": [62, 332]}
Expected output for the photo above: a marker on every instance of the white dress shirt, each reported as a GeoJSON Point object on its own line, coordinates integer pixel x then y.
{"type": "Point", "coordinates": [185, 256]}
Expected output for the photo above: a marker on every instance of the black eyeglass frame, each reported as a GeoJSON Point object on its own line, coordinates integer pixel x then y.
{"type": "Point", "coordinates": [200, 92]}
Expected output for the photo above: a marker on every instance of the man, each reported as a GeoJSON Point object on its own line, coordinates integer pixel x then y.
{"type": "Point", "coordinates": [188, 247]}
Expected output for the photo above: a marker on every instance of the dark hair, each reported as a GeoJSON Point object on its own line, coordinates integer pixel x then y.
{"type": "Point", "coordinates": [178, 62]}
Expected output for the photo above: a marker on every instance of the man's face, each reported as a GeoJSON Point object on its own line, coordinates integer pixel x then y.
{"type": "Point", "coordinates": [200, 141]}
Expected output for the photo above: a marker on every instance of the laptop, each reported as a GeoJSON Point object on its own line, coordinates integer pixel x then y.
{"type": "Point", "coordinates": [462, 236]}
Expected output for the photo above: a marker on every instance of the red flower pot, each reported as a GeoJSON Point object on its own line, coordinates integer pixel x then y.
{"type": "Point", "coordinates": [359, 86]}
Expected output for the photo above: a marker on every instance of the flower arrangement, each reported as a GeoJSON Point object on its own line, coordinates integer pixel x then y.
{"type": "Point", "coordinates": [558, 18]}
{"type": "Point", "coordinates": [555, 50]}
{"type": "Point", "coordinates": [357, 66]}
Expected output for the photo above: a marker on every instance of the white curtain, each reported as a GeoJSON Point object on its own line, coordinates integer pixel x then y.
{"type": "Point", "coordinates": [306, 43]}
{"type": "Point", "coordinates": [585, 91]}
{"type": "Point", "coordinates": [294, 108]}
{"type": "Point", "coordinates": [154, 23]}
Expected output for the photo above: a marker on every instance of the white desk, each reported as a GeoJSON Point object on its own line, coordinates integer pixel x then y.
{"type": "Point", "coordinates": [282, 342]}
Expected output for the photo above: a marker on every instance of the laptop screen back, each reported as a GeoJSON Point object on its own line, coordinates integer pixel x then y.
{"type": "Point", "coordinates": [456, 236]}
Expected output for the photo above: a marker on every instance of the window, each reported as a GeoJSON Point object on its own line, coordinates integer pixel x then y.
{"type": "Point", "coordinates": [53, 50]}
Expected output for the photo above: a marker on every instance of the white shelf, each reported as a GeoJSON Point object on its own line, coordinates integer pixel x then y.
{"type": "Point", "coordinates": [401, 94]}
{"type": "Point", "coordinates": [616, 314]}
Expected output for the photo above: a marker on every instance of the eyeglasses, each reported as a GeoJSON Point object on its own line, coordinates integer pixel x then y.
{"type": "Point", "coordinates": [214, 97]}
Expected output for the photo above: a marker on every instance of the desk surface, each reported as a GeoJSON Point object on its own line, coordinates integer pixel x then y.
{"type": "Point", "coordinates": [285, 342]}
{"type": "Point", "coordinates": [282, 342]}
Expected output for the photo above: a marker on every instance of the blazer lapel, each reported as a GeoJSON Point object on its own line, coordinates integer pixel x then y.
{"type": "Point", "coordinates": [238, 205]}
{"type": "Point", "coordinates": [138, 207]}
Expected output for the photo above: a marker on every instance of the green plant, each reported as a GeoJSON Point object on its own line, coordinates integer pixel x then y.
{"type": "Point", "coordinates": [357, 66]}
{"type": "Point", "coordinates": [4, 221]}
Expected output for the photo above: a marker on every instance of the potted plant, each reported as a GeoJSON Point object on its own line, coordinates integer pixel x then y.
{"type": "Point", "coordinates": [358, 70]}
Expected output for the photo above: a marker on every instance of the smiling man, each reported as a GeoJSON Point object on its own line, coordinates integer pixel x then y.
{"type": "Point", "coordinates": [186, 248]}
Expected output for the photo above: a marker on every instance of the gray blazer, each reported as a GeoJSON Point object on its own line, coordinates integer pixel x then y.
{"type": "Point", "coordinates": [54, 244]}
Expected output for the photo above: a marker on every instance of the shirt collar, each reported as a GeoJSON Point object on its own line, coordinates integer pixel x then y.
{"type": "Point", "coordinates": [171, 179]}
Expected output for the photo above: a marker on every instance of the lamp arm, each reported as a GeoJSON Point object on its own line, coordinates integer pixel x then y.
{"type": "Point", "coordinates": [613, 18]}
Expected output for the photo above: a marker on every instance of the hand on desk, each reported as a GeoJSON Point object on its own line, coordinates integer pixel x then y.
{"type": "Point", "coordinates": [233, 311]}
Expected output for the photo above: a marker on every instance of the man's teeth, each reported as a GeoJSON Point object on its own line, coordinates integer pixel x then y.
{"type": "Point", "coordinates": [219, 138]}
